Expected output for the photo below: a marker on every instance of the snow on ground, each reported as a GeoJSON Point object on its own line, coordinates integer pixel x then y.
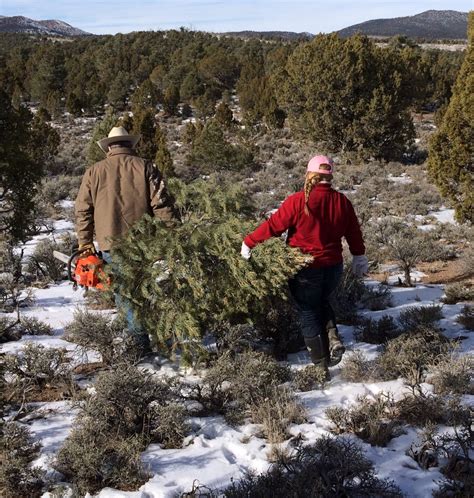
{"type": "Point", "coordinates": [61, 227]}
{"type": "Point", "coordinates": [403, 179]}
{"type": "Point", "coordinates": [444, 215]}
{"type": "Point", "coordinates": [216, 453]}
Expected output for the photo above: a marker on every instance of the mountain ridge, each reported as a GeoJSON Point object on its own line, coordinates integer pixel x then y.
{"type": "Point", "coordinates": [431, 24]}
{"type": "Point", "coordinates": [50, 27]}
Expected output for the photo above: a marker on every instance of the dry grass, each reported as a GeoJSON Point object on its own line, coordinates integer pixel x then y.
{"type": "Point", "coordinates": [309, 378]}
{"type": "Point", "coordinates": [276, 413]}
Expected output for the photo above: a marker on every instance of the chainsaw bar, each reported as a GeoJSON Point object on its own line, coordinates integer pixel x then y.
{"type": "Point", "coordinates": [62, 257]}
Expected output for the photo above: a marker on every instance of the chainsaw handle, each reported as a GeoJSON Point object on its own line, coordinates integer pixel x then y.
{"type": "Point", "coordinates": [74, 255]}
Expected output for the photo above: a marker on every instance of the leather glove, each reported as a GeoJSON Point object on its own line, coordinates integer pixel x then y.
{"type": "Point", "coordinates": [245, 252]}
{"type": "Point", "coordinates": [87, 249]}
{"type": "Point", "coordinates": [360, 265]}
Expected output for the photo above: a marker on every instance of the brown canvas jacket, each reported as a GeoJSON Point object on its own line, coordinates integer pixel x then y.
{"type": "Point", "coordinates": [117, 192]}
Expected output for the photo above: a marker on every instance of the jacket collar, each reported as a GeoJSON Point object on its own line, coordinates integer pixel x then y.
{"type": "Point", "coordinates": [323, 186]}
{"type": "Point", "coordinates": [120, 150]}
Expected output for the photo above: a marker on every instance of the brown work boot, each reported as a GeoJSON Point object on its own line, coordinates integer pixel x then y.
{"type": "Point", "coordinates": [315, 347]}
{"type": "Point", "coordinates": [336, 347]}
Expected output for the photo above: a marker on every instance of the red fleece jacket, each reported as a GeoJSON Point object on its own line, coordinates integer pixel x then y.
{"type": "Point", "coordinates": [319, 234]}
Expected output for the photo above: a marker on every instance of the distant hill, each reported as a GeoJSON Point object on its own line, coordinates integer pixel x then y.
{"type": "Point", "coordinates": [20, 24]}
{"type": "Point", "coordinates": [269, 35]}
{"type": "Point", "coordinates": [431, 25]}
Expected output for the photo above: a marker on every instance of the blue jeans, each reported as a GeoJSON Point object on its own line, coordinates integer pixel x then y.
{"type": "Point", "coordinates": [125, 307]}
{"type": "Point", "coordinates": [312, 290]}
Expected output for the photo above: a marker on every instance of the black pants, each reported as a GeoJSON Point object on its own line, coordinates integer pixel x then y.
{"type": "Point", "coordinates": [312, 290]}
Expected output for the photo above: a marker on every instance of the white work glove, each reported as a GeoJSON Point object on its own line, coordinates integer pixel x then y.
{"type": "Point", "coordinates": [360, 265]}
{"type": "Point", "coordinates": [245, 252]}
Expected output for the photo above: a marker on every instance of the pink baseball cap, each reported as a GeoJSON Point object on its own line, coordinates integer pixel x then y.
{"type": "Point", "coordinates": [314, 165]}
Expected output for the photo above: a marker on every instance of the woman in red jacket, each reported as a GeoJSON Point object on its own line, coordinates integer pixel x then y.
{"type": "Point", "coordinates": [316, 219]}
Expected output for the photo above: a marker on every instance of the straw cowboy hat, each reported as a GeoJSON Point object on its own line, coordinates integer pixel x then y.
{"type": "Point", "coordinates": [118, 134]}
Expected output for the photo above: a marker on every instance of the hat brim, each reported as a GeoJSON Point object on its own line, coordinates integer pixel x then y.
{"type": "Point", "coordinates": [105, 142]}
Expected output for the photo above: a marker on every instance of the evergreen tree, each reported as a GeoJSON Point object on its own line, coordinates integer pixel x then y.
{"type": "Point", "coordinates": [101, 130]}
{"type": "Point", "coordinates": [189, 133]}
{"type": "Point", "coordinates": [186, 111]}
{"type": "Point", "coordinates": [451, 154]}
{"type": "Point", "coordinates": [73, 104]}
{"type": "Point", "coordinates": [44, 134]}
{"type": "Point", "coordinates": [348, 94]}
{"type": "Point", "coordinates": [191, 87]}
{"type": "Point", "coordinates": [21, 168]}
{"type": "Point", "coordinates": [144, 124]}
{"type": "Point", "coordinates": [118, 90]}
{"type": "Point", "coordinates": [146, 95]}
{"type": "Point", "coordinates": [224, 115]}
{"type": "Point", "coordinates": [163, 160]}
{"type": "Point", "coordinates": [189, 279]}
{"type": "Point", "coordinates": [171, 100]}
{"type": "Point", "coordinates": [48, 74]}
{"type": "Point", "coordinates": [212, 152]}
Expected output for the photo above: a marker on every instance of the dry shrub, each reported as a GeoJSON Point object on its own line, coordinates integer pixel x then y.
{"type": "Point", "coordinates": [275, 331]}
{"type": "Point", "coordinates": [92, 459]}
{"type": "Point", "coordinates": [453, 448]}
{"type": "Point", "coordinates": [128, 410]}
{"type": "Point", "coordinates": [33, 326]}
{"type": "Point", "coordinates": [423, 451]}
{"type": "Point", "coordinates": [377, 331]}
{"type": "Point", "coordinates": [106, 336]}
{"type": "Point", "coordinates": [100, 299]}
{"type": "Point", "coordinates": [372, 419]}
{"type": "Point", "coordinates": [420, 410]}
{"type": "Point", "coordinates": [276, 412]}
{"type": "Point", "coordinates": [168, 424]}
{"type": "Point", "coordinates": [466, 317]}
{"type": "Point", "coordinates": [331, 467]}
{"type": "Point", "coordinates": [59, 188]}
{"type": "Point", "coordinates": [376, 298]}
{"type": "Point", "coordinates": [357, 368]}
{"type": "Point", "coordinates": [200, 491]}
{"type": "Point", "coordinates": [8, 329]}
{"type": "Point", "coordinates": [39, 374]}
{"type": "Point", "coordinates": [410, 355]}
{"type": "Point", "coordinates": [13, 330]}
{"type": "Point", "coordinates": [17, 450]}
{"type": "Point", "coordinates": [237, 382]}
{"type": "Point", "coordinates": [42, 265]}
{"type": "Point", "coordinates": [453, 375]}
{"type": "Point", "coordinates": [348, 293]}
{"type": "Point", "coordinates": [418, 317]}
{"type": "Point", "coordinates": [458, 292]}
{"type": "Point", "coordinates": [309, 378]}
{"type": "Point", "coordinates": [126, 402]}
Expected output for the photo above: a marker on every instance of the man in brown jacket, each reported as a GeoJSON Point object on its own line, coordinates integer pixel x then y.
{"type": "Point", "coordinates": [114, 194]}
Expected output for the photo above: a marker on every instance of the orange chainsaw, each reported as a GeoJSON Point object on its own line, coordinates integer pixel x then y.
{"type": "Point", "coordinates": [86, 271]}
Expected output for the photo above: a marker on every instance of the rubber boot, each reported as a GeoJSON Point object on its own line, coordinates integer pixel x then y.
{"type": "Point", "coordinates": [336, 348]}
{"type": "Point", "coordinates": [317, 354]}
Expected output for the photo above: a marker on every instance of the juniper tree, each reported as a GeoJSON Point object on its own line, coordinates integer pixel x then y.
{"type": "Point", "coordinates": [144, 124]}
{"type": "Point", "coordinates": [101, 130]}
{"type": "Point", "coordinates": [185, 280]}
{"type": "Point", "coordinates": [349, 94]}
{"type": "Point", "coordinates": [212, 152]}
{"type": "Point", "coordinates": [163, 159]}
{"type": "Point", "coordinates": [451, 163]}
{"type": "Point", "coordinates": [26, 144]}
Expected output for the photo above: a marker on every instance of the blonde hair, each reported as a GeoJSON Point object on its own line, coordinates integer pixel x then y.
{"type": "Point", "coordinates": [311, 180]}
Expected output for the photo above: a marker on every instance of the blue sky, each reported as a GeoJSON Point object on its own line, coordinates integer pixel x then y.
{"type": "Point", "coordinates": [114, 16]}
